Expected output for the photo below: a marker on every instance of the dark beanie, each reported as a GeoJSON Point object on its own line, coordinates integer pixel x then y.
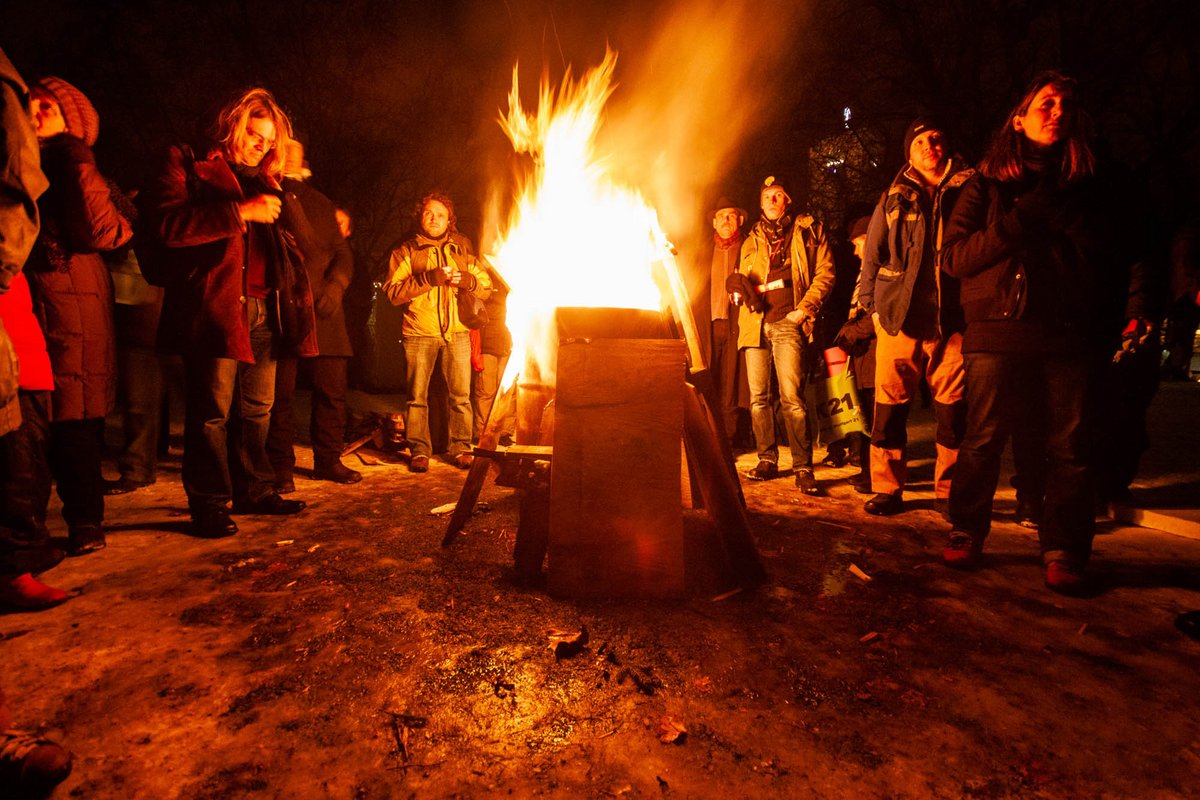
{"type": "Point", "coordinates": [919, 126]}
{"type": "Point", "coordinates": [859, 228]}
{"type": "Point", "coordinates": [80, 115]}
{"type": "Point", "coordinates": [772, 181]}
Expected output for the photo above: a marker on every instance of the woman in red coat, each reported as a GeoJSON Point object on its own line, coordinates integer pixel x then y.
{"type": "Point", "coordinates": [72, 296]}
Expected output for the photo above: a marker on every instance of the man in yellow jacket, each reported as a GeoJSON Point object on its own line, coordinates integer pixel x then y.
{"type": "Point", "coordinates": [427, 273]}
{"type": "Point", "coordinates": [785, 275]}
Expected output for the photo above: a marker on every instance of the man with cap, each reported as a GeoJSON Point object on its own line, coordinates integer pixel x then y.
{"type": "Point", "coordinates": [727, 221]}
{"type": "Point", "coordinates": [918, 319]}
{"type": "Point", "coordinates": [786, 274]}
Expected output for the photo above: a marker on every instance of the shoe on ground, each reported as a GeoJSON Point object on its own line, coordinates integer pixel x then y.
{"type": "Point", "coordinates": [124, 485]}
{"type": "Point", "coordinates": [271, 504]}
{"type": "Point", "coordinates": [419, 464]}
{"type": "Point", "coordinates": [861, 482]}
{"type": "Point", "coordinates": [463, 460]}
{"type": "Point", "coordinates": [1065, 577]}
{"type": "Point", "coordinates": [764, 471]}
{"type": "Point", "coordinates": [1028, 514]}
{"type": "Point", "coordinates": [962, 550]}
{"type": "Point", "coordinates": [26, 593]}
{"type": "Point", "coordinates": [506, 440]}
{"type": "Point", "coordinates": [806, 482]}
{"type": "Point", "coordinates": [284, 485]}
{"type": "Point", "coordinates": [30, 765]}
{"type": "Point", "coordinates": [84, 539]}
{"type": "Point", "coordinates": [884, 505]}
{"type": "Point", "coordinates": [212, 523]}
{"type": "Point", "coordinates": [338, 473]}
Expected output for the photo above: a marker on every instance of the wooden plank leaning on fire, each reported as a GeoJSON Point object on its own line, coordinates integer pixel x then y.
{"type": "Point", "coordinates": [489, 440]}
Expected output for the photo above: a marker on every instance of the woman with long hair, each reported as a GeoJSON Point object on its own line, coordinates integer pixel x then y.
{"type": "Point", "coordinates": [1044, 288]}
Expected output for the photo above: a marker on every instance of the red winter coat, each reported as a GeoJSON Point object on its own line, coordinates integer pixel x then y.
{"type": "Point", "coordinates": [72, 288]}
{"type": "Point", "coordinates": [16, 310]}
{"type": "Point", "coordinates": [192, 207]}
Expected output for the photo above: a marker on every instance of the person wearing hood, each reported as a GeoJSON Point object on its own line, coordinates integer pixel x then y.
{"type": "Point", "coordinates": [426, 274]}
{"type": "Point", "coordinates": [73, 299]}
{"type": "Point", "coordinates": [222, 241]}
{"type": "Point", "coordinates": [785, 276]}
{"type": "Point", "coordinates": [916, 314]}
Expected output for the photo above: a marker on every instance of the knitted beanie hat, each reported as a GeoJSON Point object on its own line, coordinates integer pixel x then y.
{"type": "Point", "coordinates": [82, 120]}
{"type": "Point", "coordinates": [920, 125]}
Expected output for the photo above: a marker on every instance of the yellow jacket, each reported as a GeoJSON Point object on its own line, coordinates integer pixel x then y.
{"type": "Point", "coordinates": [812, 278]}
{"type": "Point", "coordinates": [433, 310]}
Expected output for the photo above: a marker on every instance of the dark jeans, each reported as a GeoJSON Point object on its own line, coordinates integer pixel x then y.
{"type": "Point", "coordinates": [421, 354]}
{"type": "Point", "coordinates": [24, 485]}
{"type": "Point", "coordinates": [724, 371]}
{"type": "Point", "coordinates": [142, 395]}
{"type": "Point", "coordinates": [225, 456]}
{"type": "Point", "coordinates": [1001, 389]}
{"type": "Point", "coordinates": [785, 350]}
{"type": "Point", "coordinates": [327, 422]}
{"type": "Point", "coordinates": [75, 450]}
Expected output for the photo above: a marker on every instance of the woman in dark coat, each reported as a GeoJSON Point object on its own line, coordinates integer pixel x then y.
{"type": "Point", "coordinates": [1044, 289]}
{"type": "Point", "coordinates": [73, 299]}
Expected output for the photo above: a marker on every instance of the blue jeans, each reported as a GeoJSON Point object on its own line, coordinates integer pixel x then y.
{"type": "Point", "coordinates": [421, 354]}
{"type": "Point", "coordinates": [225, 457]}
{"type": "Point", "coordinates": [785, 350]}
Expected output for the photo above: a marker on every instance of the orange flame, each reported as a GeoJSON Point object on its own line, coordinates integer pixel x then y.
{"type": "Point", "coordinates": [576, 236]}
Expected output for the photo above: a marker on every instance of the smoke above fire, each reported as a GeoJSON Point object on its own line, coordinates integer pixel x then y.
{"type": "Point", "coordinates": [606, 190]}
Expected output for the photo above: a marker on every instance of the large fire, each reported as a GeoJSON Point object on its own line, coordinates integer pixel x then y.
{"type": "Point", "coordinates": [576, 235]}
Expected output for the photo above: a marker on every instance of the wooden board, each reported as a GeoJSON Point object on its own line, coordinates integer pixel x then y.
{"type": "Point", "coordinates": [616, 522]}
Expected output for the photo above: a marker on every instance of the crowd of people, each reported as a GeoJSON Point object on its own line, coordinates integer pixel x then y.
{"type": "Point", "coordinates": [998, 290]}
{"type": "Point", "coordinates": [1003, 290]}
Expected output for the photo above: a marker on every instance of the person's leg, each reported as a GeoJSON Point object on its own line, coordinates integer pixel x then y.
{"type": "Point", "coordinates": [762, 418]}
{"type": "Point", "coordinates": [141, 388]}
{"type": "Point", "coordinates": [991, 382]}
{"type": "Point", "coordinates": [420, 355]}
{"type": "Point", "coordinates": [724, 372]}
{"type": "Point", "coordinates": [944, 372]}
{"type": "Point", "coordinates": [788, 358]}
{"type": "Point", "coordinates": [281, 433]}
{"type": "Point", "coordinates": [327, 426]}
{"type": "Point", "coordinates": [456, 366]}
{"type": "Point", "coordinates": [209, 385]}
{"type": "Point", "coordinates": [253, 479]}
{"type": "Point", "coordinates": [1068, 521]}
{"type": "Point", "coordinates": [486, 384]}
{"type": "Point", "coordinates": [898, 366]}
{"type": "Point", "coordinates": [25, 490]}
{"type": "Point", "coordinates": [75, 454]}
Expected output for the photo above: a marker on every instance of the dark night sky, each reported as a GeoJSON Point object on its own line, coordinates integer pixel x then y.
{"type": "Point", "coordinates": [393, 98]}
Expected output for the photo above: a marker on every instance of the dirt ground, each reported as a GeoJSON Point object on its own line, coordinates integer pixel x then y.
{"type": "Point", "coordinates": [343, 653]}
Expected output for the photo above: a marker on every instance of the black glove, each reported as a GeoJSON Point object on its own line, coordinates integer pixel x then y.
{"type": "Point", "coordinates": [739, 284]}
{"type": "Point", "coordinates": [438, 277]}
{"type": "Point", "coordinates": [467, 282]}
{"type": "Point", "coordinates": [855, 336]}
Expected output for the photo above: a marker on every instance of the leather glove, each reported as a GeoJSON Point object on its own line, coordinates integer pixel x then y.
{"type": "Point", "coordinates": [467, 282]}
{"type": "Point", "coordinates": [739, 284]}
{"type": "Point", "coordinates": [330, 300]}
{"type": "Point", "coordinates": [438, 276]}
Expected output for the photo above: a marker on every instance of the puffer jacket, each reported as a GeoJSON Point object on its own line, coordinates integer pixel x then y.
{"type": "Point", "coordinates": [903, 230]}
{"type": "Point", "coordinates": [71, 286]}
{"type": "Point", "coordinates": [812, 273]}
{"type": "Point", "coordinates": [432, 310]}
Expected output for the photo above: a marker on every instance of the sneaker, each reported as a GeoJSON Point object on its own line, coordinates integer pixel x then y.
{"type": "Point", "coordinates": [124, 485]}
{"type": "Point", "coordinates": [27, 593]}
{"type": "Point", "coordinates": [1028, 514]}
{"type": "Point", "coordinates": [884, 505]}
{"type": "Point", "coordinates": [31, 766]}
{"type": "Point", "coordinates": [463, 460]}
{"type": "Point", "coordinates": [1065, 577]}
{"type": "Point", "coordinates": [419, 464]}
{"type": "Point", "coordinates": [764, 471]}
{"type": "Point", "coordinates": [84, 539]}
{"type": "Point", "coordinates": [962, 550]}
{"type": "Point", "coordinates": [806, 482]}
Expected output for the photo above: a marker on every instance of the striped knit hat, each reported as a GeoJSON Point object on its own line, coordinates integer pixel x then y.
{"type": "Point", "coordinates": [82, 120]}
